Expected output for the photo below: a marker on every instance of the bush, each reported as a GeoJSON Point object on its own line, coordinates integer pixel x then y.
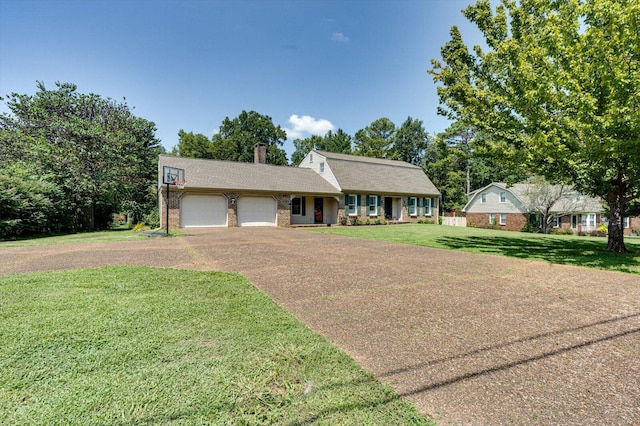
{"type": "Point", "coordinates": [427, 221]}
{"type": "Point", "coordinates": [561, 231]}
{"type": "Point", "coordinates": [152, 219]}
{"type": "Point", "coordinates": [30, 204]}
{"type": "Point", "coordinates": [140, 226]}
{"type": "Point", "coordinates": [531, 228]}
{"type": "Point", "coordinates": [603, 228]}
{"type": "Point", "coordinates": [635, 231]}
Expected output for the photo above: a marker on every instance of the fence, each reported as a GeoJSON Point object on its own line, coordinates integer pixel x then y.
{"type": "Point", "coordinates": [454, 221]}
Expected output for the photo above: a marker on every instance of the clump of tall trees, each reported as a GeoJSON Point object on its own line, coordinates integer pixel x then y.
{"type": "Point", "coordinates": [554, 89]}
{"type": "Point", "coordinates": [68, 161]}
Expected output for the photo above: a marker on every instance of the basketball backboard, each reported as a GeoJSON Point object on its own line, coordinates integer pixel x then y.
{"type": "Point", "coordinates": [172, 175]}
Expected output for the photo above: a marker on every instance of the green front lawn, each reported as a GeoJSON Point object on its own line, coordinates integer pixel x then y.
{"type": "Point", "coordinates": [562, 249]}
{"type": "Point", "coordinates": [81, 237]}
{"type": "Point", "coordinates": [133, 345]}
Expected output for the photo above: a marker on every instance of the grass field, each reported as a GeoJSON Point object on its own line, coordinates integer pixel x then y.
{"type": "Point", "coordinates": [561, 249]}
{"type": "Point", "coordinates": [113, 235]}
{"type": "Point", "coordinates": [133, 345]}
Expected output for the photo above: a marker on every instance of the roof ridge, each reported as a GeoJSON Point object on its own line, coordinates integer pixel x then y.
{"type": "Point", "coordinates": [362, 159]}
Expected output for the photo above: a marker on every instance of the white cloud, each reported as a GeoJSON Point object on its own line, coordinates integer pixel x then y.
{"type": "Point", "coordinates": [302, 126]}
{"type": "Point", "coordinates": [339, 37]}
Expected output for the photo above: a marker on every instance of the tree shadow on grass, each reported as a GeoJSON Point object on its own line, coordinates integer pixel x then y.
{"type": "Point", "coordinates": [574, 252]}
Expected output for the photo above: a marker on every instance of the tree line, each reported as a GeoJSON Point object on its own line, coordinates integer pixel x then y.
{"type": "Point", "coordinates": [553, 92]}
{"type": "Point", "coordinates": [68, 161]}
{"type": "Point", "coordinates": [451, 159]}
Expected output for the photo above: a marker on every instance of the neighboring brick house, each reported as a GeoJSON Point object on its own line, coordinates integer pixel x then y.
{"type": "Point", "coordinates": [502, 205]}
{"type": "Point", "coordinates": [223, 193]}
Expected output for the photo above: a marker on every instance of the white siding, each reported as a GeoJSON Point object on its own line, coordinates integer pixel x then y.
{"type": "Point", "coordinates": [308, 163]}
{"type": "Point", "coordinates": [493, 204]}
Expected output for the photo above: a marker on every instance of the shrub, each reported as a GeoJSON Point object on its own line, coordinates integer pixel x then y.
{"type": "Point", "coordinates": [531, 228]}
{"type": "Point", "coordinates": [152, 219]}
{"type": "Point", "coordinates": [635, 231]}
{"type": "Point", "coordinates": [603, 228]}
{"type": "Point", "coordinates": [140, 226]}
{"type": "Point", "coordinates": [30, 204]}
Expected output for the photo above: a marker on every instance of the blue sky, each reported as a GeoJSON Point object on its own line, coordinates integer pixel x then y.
{"type": "Point", "coordinates": [311, 65]}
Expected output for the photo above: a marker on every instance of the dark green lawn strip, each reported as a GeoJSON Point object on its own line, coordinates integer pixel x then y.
{"type": "Point", "coordinates": [132, 345]}
{"type": "Point", "coordinates": [560, 249]}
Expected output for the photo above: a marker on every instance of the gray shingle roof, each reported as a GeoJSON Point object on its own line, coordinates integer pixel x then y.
{"type": "Point", "coordinates": [377, 175]}
{"type": "Point", "coordinates": [247, 177]}
{"type": "Point", "coordinates": [571, 202]}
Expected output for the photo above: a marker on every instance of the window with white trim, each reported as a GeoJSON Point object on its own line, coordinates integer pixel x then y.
{"type": "Point", "coordinates": [373, 205]}
{"type": "Point", "coordinates": [626, 222]}
{"type": "Point", "coordinates": [589, 220]}
{"type": "Point", "coordinates": [503, 218]}
{"type": "Point", "coordinates": [413, 206]}
{"type": "Point", "coordinates": [503, 197]}
{"type": "Point", "coordinates": [483, 198]}
{"type": "Point", "coordinates": [427, 206]}
{"type": "Point", "coordinates": [492, 218]}
{"type": "Point", "coordinates": [556, 222]}
{"type": "Point", "coordinates": [574, 221]}
{"type": "Point", "coordinates": [352, 205]}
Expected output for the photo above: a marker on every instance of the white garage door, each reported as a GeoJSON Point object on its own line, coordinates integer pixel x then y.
{"type": "Point", "coordinates": [203, 210]}
{"type": "Point", "coordinates": [256, 211]}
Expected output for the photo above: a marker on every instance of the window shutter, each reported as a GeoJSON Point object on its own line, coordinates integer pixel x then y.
{"type": "Point", "coordinates": [379, 204]}
{"type": "Point", "coordinates": [420, 206]}
{"type": "Point", "coordinates": [303, 201]}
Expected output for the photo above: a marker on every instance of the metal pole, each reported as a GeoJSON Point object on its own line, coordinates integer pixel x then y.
{"type": "Point", "coordinates": [167, 210]}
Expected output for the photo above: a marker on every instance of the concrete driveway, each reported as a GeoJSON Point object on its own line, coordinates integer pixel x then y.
{"type": "Point", "coordinates": [469, 339]}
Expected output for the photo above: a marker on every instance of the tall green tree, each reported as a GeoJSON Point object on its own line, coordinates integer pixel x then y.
{"type": "Point", "coordinates": [193, 145]}
{"type": "Point", "coordinates": [556, 89]}
{"type": "Point", "coordinates": [237, 137]}
{"type": "Point", "coordinates": [338, 141]}
{"type": "Point", "coordinates": [376, 140]}
{"type": "Point", "coordinates": [446, 167]}
{"type": "Point", "coordinates": [410, 141]}
{"type": "Point", "coordinates": [303, 146]}
{"type": "Point", "coordinates": [93, 149]}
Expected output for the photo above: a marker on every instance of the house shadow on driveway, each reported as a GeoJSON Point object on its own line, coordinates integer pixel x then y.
{"type": "Point", "coordinates": [575, 252]}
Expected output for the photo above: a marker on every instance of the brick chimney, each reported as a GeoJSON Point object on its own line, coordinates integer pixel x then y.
{"type": "Point", "coordinates": [260, 153]}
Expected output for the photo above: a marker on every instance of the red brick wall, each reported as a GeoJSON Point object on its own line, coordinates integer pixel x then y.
{"type": "Point", "coordinates": [515, 221]}
{"type": "Point", "coordinates": [284, 210]}
{"type": "Point", "coordinates": [174, 208]}
{"type": "Point", "coordinates": [634, 224]}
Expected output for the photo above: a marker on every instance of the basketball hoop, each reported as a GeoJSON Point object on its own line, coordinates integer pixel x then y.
{"type": "Point", "coordinates": [172, 176]}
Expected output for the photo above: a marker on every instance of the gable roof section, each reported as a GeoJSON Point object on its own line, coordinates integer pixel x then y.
{"type": "Point", "coordinates": [247, 177]}
{"type": "Point", "coordinates": [586, 204]}
{"type": "Point", "coordinates": [378, 175]}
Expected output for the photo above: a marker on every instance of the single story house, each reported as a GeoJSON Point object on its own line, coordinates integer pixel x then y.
{"type": "Point", "coordinates": [510, 206]}
{"type": "Point", "coordinates": [326, 188]}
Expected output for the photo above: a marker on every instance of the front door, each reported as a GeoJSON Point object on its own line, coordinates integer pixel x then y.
{"type": "Point", "coordinates": [388, 208]}
{"type": "Point", "coordinates": [318, 207]}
